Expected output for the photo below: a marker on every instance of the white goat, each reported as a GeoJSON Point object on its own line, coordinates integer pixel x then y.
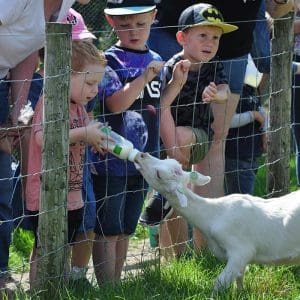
{"type": "Point", "coordinates": [239, 228]}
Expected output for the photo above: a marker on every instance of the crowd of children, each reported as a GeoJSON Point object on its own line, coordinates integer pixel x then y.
{"type": "Point", "coordinates": [163, 108]}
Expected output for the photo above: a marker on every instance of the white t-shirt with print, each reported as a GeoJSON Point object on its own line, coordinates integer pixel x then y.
{"type": "Point", "coordinates": [22, 30]}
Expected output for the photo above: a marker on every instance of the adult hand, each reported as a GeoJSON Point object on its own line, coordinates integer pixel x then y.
{"type": "Point", "coordinates": [10, 137]}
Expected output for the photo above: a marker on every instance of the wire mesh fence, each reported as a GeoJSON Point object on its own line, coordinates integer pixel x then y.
{"type": "Point", "coordinates": [96, 22]}
{"type": "Point", "coordinates": [143, 244]}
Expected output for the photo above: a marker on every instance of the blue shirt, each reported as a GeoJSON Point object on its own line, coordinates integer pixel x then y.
{"type": "Point", "coordinates": [140, 122]}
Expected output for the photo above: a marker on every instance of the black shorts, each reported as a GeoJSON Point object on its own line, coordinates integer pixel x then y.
{"type": "Point", "coordinates": [75, 218]}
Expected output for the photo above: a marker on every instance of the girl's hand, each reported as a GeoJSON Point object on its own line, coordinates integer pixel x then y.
{"type": "Point", "coordinates": [96, 137]}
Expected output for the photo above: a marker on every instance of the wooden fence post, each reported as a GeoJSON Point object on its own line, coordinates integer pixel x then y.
{"type": "Point", "coordinates": [278, 167]}
{"type": "Point", "coordinates": [52, 229]}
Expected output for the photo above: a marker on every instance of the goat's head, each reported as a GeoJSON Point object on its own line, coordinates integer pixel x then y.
{"type": "Point", "coordinates": [167, 176]}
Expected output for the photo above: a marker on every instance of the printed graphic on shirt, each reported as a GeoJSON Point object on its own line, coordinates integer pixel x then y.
{"type": "Point", "coordinates": [140, 122]}
{"type": "Point", "coordinates": [76, 159]}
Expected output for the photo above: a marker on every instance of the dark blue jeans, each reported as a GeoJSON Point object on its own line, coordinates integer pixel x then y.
{"type": "Point", "coordinates": [295, 118]}
{"type": "Point", "coordinates": [4, 106]}
{"type": "Point", "coordinates": [119, 203]}
{"type": "Point", "coordinates": [261, 47]}
{"type": "Point", "coordinates": [240, 176]}
{"type": "Point", "coordinates": [88, 196]}
{"type": "Point", "coordinates": [6, 186]}
{"type": "Point", "coordinates": [6, 224]}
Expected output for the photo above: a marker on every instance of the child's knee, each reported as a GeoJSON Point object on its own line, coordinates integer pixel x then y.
{"type": "Point", "coordinates": [184, 136]}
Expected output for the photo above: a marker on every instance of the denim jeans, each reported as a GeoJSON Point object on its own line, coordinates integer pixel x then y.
{"type": "Point", "coordinates": [119, 203]}
{"type": "Point", "coordinates": [295, 119]}
{"type": "Point", "coordinates": [4, 107]}
{"type": "Point", "coordinates": [6, 223]}
{"type": "Point", "coordinates": [261, 47]}
{"type": "Point", "coordinates": [6, 186]}
{"type": "Point", "coordinates": [88, 196]}
{"type": "Point", "coordinates": [240, 176]}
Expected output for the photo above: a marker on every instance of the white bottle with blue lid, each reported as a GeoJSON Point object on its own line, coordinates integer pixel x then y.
{"type": "Point", "coordinates": [120, 146]}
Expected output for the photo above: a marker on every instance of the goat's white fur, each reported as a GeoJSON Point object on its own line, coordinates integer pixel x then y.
{"type": "Point", "coordinates": [238, 228]}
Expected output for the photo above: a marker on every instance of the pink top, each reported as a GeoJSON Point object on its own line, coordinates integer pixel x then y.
{"type": "Point", "coordinates": [78, 118]}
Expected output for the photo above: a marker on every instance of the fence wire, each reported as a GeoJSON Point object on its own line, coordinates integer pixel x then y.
{"type": "Point", "coordinates": [140, 248]}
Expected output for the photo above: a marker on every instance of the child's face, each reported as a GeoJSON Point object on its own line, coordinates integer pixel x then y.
{"type": "Point", "coordinates": [200, 43]}
{"type": "Point", "coordinates": [133, 30]}
{"type": "Point", "coordinates": [84, 85]}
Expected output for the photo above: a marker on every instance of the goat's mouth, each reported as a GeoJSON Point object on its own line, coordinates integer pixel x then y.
{"type": "Point", "coordinates": [157, 174]}
{"type": "Point", "coordinates": [139, 157]}
{"type": "Point", "coordinates": [137, 160]}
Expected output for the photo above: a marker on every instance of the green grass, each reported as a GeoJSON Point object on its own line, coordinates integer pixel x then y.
{"type": "Point", "coordinates": [260, 180]}
{"type": "Point", "coordinates": [20, 250]}
{"type": "Point", "coordinates": [191, 278]}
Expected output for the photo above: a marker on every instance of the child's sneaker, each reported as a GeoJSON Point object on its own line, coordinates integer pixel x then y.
{"type": "Point", "coordinates": [157, 210]}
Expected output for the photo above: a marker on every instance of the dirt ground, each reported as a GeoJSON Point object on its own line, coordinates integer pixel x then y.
{"type": "Point", "coordinates": [139, 253]}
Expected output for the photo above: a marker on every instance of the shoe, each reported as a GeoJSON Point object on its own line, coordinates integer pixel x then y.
{"type": "Point", "coordinates": [80, 284]}
{"type": "Point", "coordinates": [5, 278]}
{"type": "Point", "coordinates": [157, 210]}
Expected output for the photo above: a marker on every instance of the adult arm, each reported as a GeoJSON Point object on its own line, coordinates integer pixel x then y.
{"type": "Point", "coordinates": [21, 77]}
{"type": "Point", "coordinates": [279, 8]}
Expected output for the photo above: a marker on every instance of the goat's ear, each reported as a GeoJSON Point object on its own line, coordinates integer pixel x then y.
{"type": "Point", "coordinates": [171, 187]}
{"type": "Point", "coordinates": [197, 178]}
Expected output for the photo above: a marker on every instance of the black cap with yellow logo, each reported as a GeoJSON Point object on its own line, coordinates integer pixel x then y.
{"type": "Point", "coordinates": [203, 14]}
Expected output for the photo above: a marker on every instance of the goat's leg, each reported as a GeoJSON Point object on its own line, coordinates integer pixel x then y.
{"type": "Point", "coordinates": [240, 279]}
{"type": "Point", "coordinates": [233, 270]}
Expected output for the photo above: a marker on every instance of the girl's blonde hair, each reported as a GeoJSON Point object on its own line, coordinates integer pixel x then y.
{"type": "Point", "coordinates": [85, 52]}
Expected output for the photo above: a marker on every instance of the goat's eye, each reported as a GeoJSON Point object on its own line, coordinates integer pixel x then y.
{"type": "Point", "coordinates": [157, 174]}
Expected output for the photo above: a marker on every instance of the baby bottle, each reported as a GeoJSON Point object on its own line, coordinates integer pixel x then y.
{"type": "Point", "coordinates": [119, 147]}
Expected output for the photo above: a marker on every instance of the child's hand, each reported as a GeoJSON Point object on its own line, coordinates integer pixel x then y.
{"type": "Point", "coordinates": [152, 70]}
{"type": "Point", "coordinates": [180, 72]}
{"type": "Point", "coordinates": [264, 142]}
{"type": "Point", "coordinates": [178, 155]}
{"type": "Point", "coordinates": [95, 137]}
{"type": "Point", "coordinates": [259, 117]}
{"type": "Point", "coordinates": [209, 93]}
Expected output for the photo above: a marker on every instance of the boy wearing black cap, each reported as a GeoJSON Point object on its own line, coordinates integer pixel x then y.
{"type": "Point", "coordinates": [193, 80]}
{"type": "Point", "coordinates": [129, 95]}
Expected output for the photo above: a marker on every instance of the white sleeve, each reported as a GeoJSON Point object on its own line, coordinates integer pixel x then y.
{"type": "Point", "coordinates": [65, 6]}
{"type": "Point", "coordinates": [242, 119]}
{"type": "Point", "coordinates": [10, 11]}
